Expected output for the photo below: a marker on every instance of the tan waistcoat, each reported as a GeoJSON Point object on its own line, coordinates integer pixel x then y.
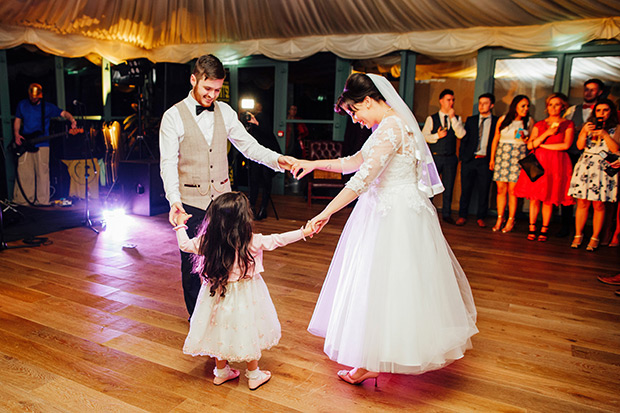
{"type": "Point", "coordinates": [203, 168]}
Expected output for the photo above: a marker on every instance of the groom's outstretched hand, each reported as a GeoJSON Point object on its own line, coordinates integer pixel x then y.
{"type": "Point", "coordinates": [286, 162]}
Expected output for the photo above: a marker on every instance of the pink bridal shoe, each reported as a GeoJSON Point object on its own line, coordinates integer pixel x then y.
{"type": "Point", "coordinates": [346, 375]}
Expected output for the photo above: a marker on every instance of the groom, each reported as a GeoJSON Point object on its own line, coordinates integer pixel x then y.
{"type": "Point", "coordinates": [193, 139]}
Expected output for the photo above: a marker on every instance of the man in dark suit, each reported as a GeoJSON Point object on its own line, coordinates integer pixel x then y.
{"type": "Point", "coordinates": [474, 154]}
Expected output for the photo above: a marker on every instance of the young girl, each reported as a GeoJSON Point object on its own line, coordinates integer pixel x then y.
{"type": "Point", "coordinates": [234, 319]}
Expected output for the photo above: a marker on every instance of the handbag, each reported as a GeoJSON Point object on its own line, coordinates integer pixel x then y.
{"type": "Point", "coordinates": [532, 167]}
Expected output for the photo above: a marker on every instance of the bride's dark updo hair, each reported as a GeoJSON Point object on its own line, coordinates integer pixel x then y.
{"type": "Point", "coordinates": [357, 87]}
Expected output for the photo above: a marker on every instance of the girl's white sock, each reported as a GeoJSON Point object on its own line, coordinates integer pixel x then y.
{"type": "Point", "coordinates": [253, 374]}
{"type": "Point", "coordinates": [225, 372]}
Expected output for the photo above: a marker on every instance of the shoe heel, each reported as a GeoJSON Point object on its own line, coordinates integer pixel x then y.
{"type": "Point", "coordinates": [593, 244]}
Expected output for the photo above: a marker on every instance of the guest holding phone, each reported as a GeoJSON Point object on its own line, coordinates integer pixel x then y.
{"type": "Point", "coordinates": [593, 182]}
{"type": "Point", "coordinates": [551, 138]}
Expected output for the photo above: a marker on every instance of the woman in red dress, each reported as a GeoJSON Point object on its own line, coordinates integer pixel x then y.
{"type": "Point", "coordinates": [550, 139]}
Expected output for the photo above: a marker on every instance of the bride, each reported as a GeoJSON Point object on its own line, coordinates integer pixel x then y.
{"type": "Point", "coordinates": [395, 298]}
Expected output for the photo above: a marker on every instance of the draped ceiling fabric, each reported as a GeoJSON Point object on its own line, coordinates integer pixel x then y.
{"type": "Point", "coordinates": [179, 30]}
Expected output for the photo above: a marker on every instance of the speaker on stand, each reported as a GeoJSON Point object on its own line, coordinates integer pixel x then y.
{"type": "Point", "coordinates": [142, 187]}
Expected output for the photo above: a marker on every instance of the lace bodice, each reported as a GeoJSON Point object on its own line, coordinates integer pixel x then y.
{"type": "Point", "coordinates": [389, 166]}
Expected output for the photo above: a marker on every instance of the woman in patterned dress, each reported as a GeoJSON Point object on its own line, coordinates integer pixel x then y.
{"type": "Point", "coordinates": [509, 146]}
{"type": "Point", "coordinates": [590, 183]}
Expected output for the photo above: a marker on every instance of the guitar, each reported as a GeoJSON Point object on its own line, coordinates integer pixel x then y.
{"type": "Point", "coordinates": [31, 139]}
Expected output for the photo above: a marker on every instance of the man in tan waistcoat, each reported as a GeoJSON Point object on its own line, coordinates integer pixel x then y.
{"type": "Point", "coordinates": [194, 166]}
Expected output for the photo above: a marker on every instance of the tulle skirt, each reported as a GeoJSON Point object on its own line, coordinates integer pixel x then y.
{"type": "Point", "coordinates": [395, 298]}
{"type": "Point", "coordinates": [236, 327]}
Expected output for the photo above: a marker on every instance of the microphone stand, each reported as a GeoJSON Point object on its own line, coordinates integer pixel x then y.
{"type": "Point", "coordinates": [88, 155]}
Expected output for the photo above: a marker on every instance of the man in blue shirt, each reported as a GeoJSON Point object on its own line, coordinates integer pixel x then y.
{"type": "Point", "coordinates": [33, 117]}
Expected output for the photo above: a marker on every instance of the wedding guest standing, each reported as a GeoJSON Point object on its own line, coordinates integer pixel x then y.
{"type": "Point", "coordinates": [475, 153]}
{"type": "Point", "coordinates": [550, 140]}
{"type": "Point", "coordinates": [509, 146]}
{"type": "Point", "coordinates": [591, 184]}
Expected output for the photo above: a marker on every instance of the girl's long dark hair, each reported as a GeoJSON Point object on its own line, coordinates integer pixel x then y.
{"type": "Point", "coordinates": [225, 234]}
{"type": "Point", "coordinates": [356, 88]}
{"type": "Point", "coordinates": [612, 120]}
{"type": "Point", "coordinates": [512, 112]}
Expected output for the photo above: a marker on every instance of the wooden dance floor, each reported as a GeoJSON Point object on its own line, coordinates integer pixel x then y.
{"type": "Point", "coordinates": [87, 325]}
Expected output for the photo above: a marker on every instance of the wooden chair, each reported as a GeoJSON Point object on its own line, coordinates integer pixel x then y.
{"type": "Point", "coordinates": [324, 179]}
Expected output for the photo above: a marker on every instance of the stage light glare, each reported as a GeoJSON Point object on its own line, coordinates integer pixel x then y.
{"type": "Point", "coordinates": [111, 214]}
{"type": "Point", "coordinates": [247, 104]}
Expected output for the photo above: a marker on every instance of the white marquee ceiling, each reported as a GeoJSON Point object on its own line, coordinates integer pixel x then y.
{"type": "Point", "coordinates": [179, 30]}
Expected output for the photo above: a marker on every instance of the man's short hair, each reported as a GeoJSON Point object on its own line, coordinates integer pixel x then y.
{"type": "Point", "coordinates": [446, 92]}
{"type": "Point", "coordinates": [598, 82]}
{"type": "Point", "coordinates": [209, 67]}
{"type": "Point", "coordinates": [489, 96]}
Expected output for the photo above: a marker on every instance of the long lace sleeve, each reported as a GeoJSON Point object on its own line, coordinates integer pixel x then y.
{"type": "Point", "coordinates": [350, 164]}
{"type": "Point", "coordinates": [384, 143]}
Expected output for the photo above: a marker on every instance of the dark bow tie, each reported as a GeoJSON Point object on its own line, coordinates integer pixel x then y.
{"type": "Point", "coordinates": [588, 106]}
{"type": "Point", "coordinates": [200, 109]}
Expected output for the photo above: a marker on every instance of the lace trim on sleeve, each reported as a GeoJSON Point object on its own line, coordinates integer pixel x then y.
{"type": "Point", "coordinates": [384, 143]}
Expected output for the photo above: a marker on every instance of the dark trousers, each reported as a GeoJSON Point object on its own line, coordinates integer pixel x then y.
{"type": "Point", "coordinates": [191, 281]}
{"type": "Point", "coordinates": [568, 220]}
{"type": "Point", "coordinates": [260, 177]}
{"type": "Point", "coordinates": [475, 174]}
{"type": "Point", "coordinates": [446, 166]}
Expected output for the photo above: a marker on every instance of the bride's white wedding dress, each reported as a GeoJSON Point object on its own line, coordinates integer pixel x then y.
{"type": "Point", "coordinates": [395, 298]}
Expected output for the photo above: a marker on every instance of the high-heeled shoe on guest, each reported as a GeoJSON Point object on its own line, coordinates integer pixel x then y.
{"type": "Point", "coordinates": [593, 244]}
{"type": "Point", "coordinates": [346, 375]}
{"type": "Point", "coordinates": [542, 237]}
{"type": "Point", "coordinates": [531, 235]}
{"type": "Point", "coordinates": [577, 241]}
{"type": "Point", "coordinates": [498, 224]}
{"type": "Point", "coordinates": [510, 224]}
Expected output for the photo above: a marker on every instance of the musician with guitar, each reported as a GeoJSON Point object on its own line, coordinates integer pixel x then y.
{"type": "Point", "coordinates": [32, 121]}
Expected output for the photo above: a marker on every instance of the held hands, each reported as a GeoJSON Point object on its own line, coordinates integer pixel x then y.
{"type": "Point", "coordinates": [286, 162]}
{"type": "Point", "coordinates": [176, 210]}
{"type": "Point", "coordinates": [182, 218]}
{"type": "Point", "coordinates": [302, 168]}
{"type": "Point", "coordinates": [318, 222]}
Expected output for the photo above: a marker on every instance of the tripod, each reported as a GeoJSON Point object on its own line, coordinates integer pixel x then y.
{"type": "Point", "coordinates": [3, 245]}
{"type": "Point", "coordinates": [140, 141]}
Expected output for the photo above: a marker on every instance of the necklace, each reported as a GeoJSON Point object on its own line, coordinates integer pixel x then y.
{"type": "Point", "coordinates": [385, 114]}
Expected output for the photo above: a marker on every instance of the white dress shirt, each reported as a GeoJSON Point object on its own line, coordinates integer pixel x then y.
{"type": "Point", "coordinates": [171, 134]}
{"type": "Point", "coordinates": [484, 137]}
{"type": "Point", "coordinates": [455, 122]}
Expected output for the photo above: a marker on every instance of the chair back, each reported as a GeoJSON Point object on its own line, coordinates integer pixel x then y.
{"type": "Point", "coordinates": [325, 150]}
